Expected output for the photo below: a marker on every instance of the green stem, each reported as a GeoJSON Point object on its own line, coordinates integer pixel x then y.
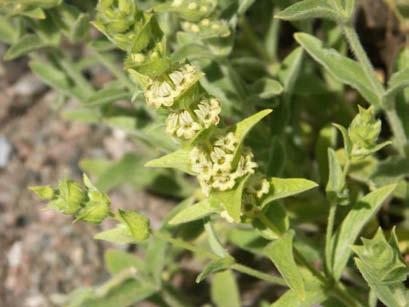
{"type": "Point", "coordinates": [253, 40]}
{"type": "Point", "coordinates": [328, 236]}
{"type": "Point", "coordinates": [360, 54]}
{"type": "Point", "coordinates": [389, 107]}
{"type": "Point", "coordinates": [236, 266]}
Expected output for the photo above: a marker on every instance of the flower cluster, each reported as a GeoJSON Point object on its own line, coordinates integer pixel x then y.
{"type": "Point", "coordinates": [186, 124]}
{"type": "Point", "coordinates": [215, 168]}
{"type": "Point", "coordinates": [207, 26]}
{"type": "Point", "coordinates": [163, 93]}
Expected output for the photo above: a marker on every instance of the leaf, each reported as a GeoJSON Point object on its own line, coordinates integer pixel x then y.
{"type": "Point", "coordinates": [345, 137]}
{"type": "Point", "coordinates": [309, 9]}
{"type": "Point", "coordinates": [8, 32]}
{"type": "Point", "coordinates": [266, 88]}
{"type": "Point", "coordinates": [336, 178]}
{"type": "Point", "coordinates": [398, 81]}
{"type": "Point", "coordinates": [224, 290]}
{"type": "Point", "coordinates": [52, 76]}
{"type": "Point", "coordinates": [117, 261]}
{"type": "Point", "coordinates": [278, 222]}
{"type": "Point", "coordinates": [285, 187]}
{"type": "Point", "coordinates": [290, 68]}
{"type": "Point", "coordinates": [178, 159]}
{"type": "Point", "coordinates": [119, 235]}
{"type": "Point", "coordinates": [244, 5]}
{"type": "Point", "coordinates": [24, 45]}
{"type": "Point", "coordinates": [193, 213]}
{"type": "Point", "coordinates": [230, 199]}
{"type": "Point", "coordinates": [137, 224]}
{"type": "Point", "coordinates": [315, 294]}
{"type": "Point", "coordinates": [280, 253]}
{"type": "Point", "coordinates": [352, 225]}
{"type": "Point", "coordinates": [81, 27]}
{"type": "Point", "coordinates": [342, 68]}
{"type": "Point", "coordinates": [215, 266]}
{"type": "Point", "coordinates": [214, 242]}
{"type": "Point", "coordinates": [155, 260]}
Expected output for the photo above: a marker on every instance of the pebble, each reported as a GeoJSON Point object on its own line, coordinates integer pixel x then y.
{"type": "Point", "coordinates": [5, 151]}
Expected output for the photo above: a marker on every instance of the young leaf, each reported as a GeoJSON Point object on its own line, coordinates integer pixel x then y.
{"type": "Point", "coordinates": [8, 32]}
{"type": "Point", "coordinates": [192, 213]}
{"type": "Point", "coordinates": [397, 82]}
{"type": "Point", "coordinates": [117, 261]}
{"type": "Point", "coordinates": [281, 254]}
{"type": "Point", "coordinates": [342, 68]}
{"type": "Point", "coordinates": [224, 290]}
{"type": "Point", "coordinates": [266, 88]}
{"type": "Point", "coordinates": [215, 266]}
{"type": "Point", "coordinates": [289, 69]}
{"type": "Point", "coordinates": [24, 45]}
{"type": "Point", "coordinates": [285, 187]}
{"type": "Point", "coordinates": [345, 137]}
{"type": "Point", "coordinates": [336, 178]}
{"type": "Point", "coordinates": [118, 235]}
{"type": "Point", "coordinates": [80, 28]}
{"type": "Point", "coordinates": [178, 160]}
{"type": "Point", "coordinates": [352, 225]}
{"type": "Point", "coordinates": [230, 200]}
{"type": "Point", "coordinates": [309, 9]}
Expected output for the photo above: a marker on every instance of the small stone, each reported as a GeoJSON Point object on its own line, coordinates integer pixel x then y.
{"type": "Point", "coordinates": [5, 151]}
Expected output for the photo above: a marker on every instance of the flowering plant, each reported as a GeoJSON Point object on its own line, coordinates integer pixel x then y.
{"type": "Point", "coordinates": [220, 105]}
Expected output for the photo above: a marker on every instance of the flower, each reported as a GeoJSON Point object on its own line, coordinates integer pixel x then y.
{"type": "Point", "coordinates": [224, 214]}
{"type": "Point", "coordinates": [161, 93]}
{"type": "Point", "coordinates": [187, 126]}
{"type": "Point", "coordinates": [172, 123]}
{"type": "Point", "coordinates": [224, 182]}
{"type": "Point", "coordinates": [228, 142]}
{"type": "Point", "coordinates": [208, 112]}
{"type": "Point", "coordinates": [221, 160]}
{"type": "Point", "coordinates": [258, 186]}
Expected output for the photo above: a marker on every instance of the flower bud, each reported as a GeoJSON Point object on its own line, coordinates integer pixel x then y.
{"type": "Point", "coordinates": [137, 224]}
{"type": "Point", "coordinates": [43, 192]}
{"type": "Point", "coordinates": [69, 198]}
{"type": "Point", "coordinates": [96, 209]}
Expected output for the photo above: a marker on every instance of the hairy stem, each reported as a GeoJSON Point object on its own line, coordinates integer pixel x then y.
{"type": "Point", "coordinates": [328, 236]}
{"type": "Point", "coordinates": [388, 107]}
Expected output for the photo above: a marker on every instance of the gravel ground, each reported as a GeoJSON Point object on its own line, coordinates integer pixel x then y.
{"type": "Point", "coordinates": [42, 252]}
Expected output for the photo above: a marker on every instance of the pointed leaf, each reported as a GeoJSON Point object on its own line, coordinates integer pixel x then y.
{"type": "Point", "coordinates": [290, 68]}
{"type": "Point", "coordinates": [119, 235]}
{"type": "Point", "coordinates": [336, 179]}
{"type": "Point", "coordinates": [193, 213]}
{"type": "Point", "coordinates": [397, 82]}
{"type": "Point", "coordinates": [215, 266]}
{"type": "Point", "coordinates": [352, 225]}
{"type": "Point", "coordinates": [342, 68]}
{"type": "Point", "coordinates": [345, 137]}
{"type": "Point", "coordinates": [24, 45]}
{"type": "Point", "coordinates": [285, 187]}
{"type": "Point", "coordinates": [178, 159]}
{"type": "Point", "coordinates": [224, 290]}
{"type": "Point", "coordinates": [309, 9]}
{"type": "Point", "coordinates": [117, 261]}
{"type": "Point", "coordinates": [280, 253]}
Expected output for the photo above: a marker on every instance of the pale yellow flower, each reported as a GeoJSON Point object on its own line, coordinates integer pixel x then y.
{"type": "Point", "coordinates": [221, 160]}
{"type": "Point", "coordinates": [187, 126]}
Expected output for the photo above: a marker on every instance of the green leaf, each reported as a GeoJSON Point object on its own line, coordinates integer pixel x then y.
{"type": "Point", "coordinates": [342, 68]}
{"type": "Point", "coordinates": [138, 224]}
{"type": "Point", "coordinates": [224, 290]}
{"type": "Point", "coordinates": [278, 222]}
{"type": "Point", "coordinates": [215, 266]}
{"type": "Point", "coordinates": [266, 88]}
{"type": "Point", "coordinates": [352, 225]}
{"type": "Point", "coordinates": [397, 82]}
{"type": "Point", "coordinates": [24, 45]}
{"type": "Point", "coordinates": [155, 260]}
{"type": "Point", "coordinates": [117, 261]}
{"type": "Point", "coordinates": [345, 137]}
{"type": "Point", "coordinates": [285, 187]}
{"type": "Point", "coordinates": [178, 159]}
{"type": "Point", "coordinates": [336, 178]}
{"type": "Point", "coordinates": [280, 253]}
{"type": "Point", "coordinates": [80, 28]}
{"type": "Point", "coordinates": [193, 213]}
{"type": "Point", "coordinates": [230, 199]}
{"type": "Point", "coordinates": [8, 32]}
{"type": "Point", "coordinates": [290, 68]}
{"type": "Point", "coordinates": [309, 9]}
{"type": "Point", "coordinates": [214, 242]}
{"type": "Point", "coordinates": [119, 235]}
{"type": "Point", "coordinates": [315, 294]}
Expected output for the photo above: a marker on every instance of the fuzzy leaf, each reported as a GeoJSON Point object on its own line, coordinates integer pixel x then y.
{"type": "Point", "coordinates": [285, 187]}
{"type": "Point", "coordinates": [336, 179]}
{"type": "Point", "coordinates": [266, 88]}
{"type": "Point", "coordinates": [117, 261]}
{"type": "Point", "coordinates": [192, 213]}
{"type": "Point", "coordinates": [215, 266]}
{"type": "Point", "coordinates": [224, 290]}
{"type": "Point", "coordinates": [230, 199]}
{"type": "Point", "coordinates": [119, 235]}
{"type": "Point", "coordinates": [24, 45]}
{"type": "Point", "coordinates": [345, 137]}
{"type": "Point", "coordinates": [290, 68]}
{"type": "Point", "coordinates": [309, 9]}
{"type": "Point", "coordinates": [352, 225]}
{"type": "Point", "coordinates": [8, 32]}
{"type": "Point", "coordinates": [178, 160]}
{"type": "Point", "coordinates": [281, 254]}
{"type": "Point", "coordinates": [397, 82]}
{"type": "Point", "coordinates": [342, 68]}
